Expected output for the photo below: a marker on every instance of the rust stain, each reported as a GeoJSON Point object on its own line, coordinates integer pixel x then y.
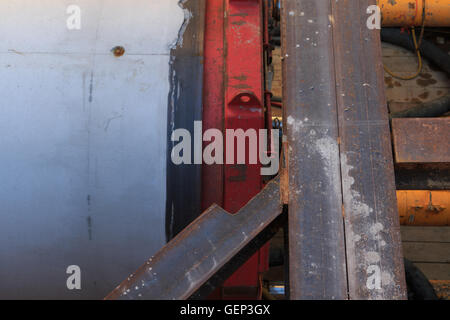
{"type": "Point", "coordinates": [118, 51]}
{"type": "Point", "coordinates": [426, 82]}
{"type": "Point", "coordinates": [241, 170]}
{"type": "Point", "coordinates": [239, 15]}
{"type": "Point", "coordinates": [242, 77]}
{"type": "Point", "coordinates": [442, 288]}
{"type": "Point", "coordinates": [389, 82]}
{"type": "Point", "coordinates": [426, 75]}
{"type": "Point", "coordinates": [421, 140]}
{"type": "Point", "coordinates": [241, 86]}
{"type": "Point", "coordinates": [424, 95]}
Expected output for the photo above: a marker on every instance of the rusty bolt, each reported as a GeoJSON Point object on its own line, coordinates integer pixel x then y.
{"type": "Point", "coordinates": [118, 51]}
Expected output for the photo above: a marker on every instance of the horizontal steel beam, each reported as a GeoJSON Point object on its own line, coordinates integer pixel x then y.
{"type": "Point", "coordinates": [420, 176]}
{"type": "Point", "coordinates": [421, 140]}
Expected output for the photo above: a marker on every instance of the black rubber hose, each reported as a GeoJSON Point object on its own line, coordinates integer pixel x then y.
{"type": "Point", "coordinates": [433, 108]}
{"type": "Point", "coordinates": [428, 49]}
{"type": "Point", "coordinates": [432, 53]}
{"type": "Point", "coordinates": [419, 288]}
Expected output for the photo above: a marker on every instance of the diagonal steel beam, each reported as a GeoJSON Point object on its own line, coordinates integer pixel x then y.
{"type": "Point", "coordinates": [202, 251]}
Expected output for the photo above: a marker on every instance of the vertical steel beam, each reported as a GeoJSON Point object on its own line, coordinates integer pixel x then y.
{"type": "Point", "coordinates": [374, 255]}
{"type": "Point", "coordinates": [243, 93]}
{"type": "Point", "coordinates": [340, 158]}
{"type": "Point", "coordinates": [316, 231]}
{"type": "Point", "coordinates": [233, 99]}
{"type": "Point", "coordinates": [213, 93]}
{"type": "Point", "coordinates": [243, 110]}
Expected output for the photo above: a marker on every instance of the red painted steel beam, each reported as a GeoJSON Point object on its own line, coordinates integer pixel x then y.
{"type": "Point", "coordinates": [243, 93]}
{"type": "Point", "coordinates": [213, 93]}
{"type": "Point", "coordinates": [244, 110]}
{"type": "Point", "coordinates": [233, 99]}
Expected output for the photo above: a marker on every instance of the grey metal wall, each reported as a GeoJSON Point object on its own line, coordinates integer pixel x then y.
{"type": "Point", "coordinates": [83, 138]}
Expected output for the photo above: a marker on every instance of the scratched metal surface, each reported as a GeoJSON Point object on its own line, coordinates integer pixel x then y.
{"type": "Point", "coordinates": [373, 245]}
{"type": "Point", "coordinates": [421, 140]}
{"type": "Point", "coordinates": [83, 139]}
{"type": "Point", "coordinates": [340, 157]}
{"type": "Point", "coordinates": [316, 233]}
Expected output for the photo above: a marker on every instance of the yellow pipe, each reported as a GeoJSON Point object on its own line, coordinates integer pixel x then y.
{"type": "Point", "coordinates": [424, 208]}
{"type": "Point", "coordinates": [400, 13]}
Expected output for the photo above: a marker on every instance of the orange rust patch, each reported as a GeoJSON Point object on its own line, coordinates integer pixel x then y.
{"type": "Point", "coordinates": [118, 51]}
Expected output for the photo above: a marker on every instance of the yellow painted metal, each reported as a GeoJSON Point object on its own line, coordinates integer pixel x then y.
{"type": "Point", "coordinates": [424, 208]}
{"type": "Point", "coordinates": [399, 13]}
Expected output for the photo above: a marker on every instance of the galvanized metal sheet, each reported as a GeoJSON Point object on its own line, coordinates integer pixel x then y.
{"type": "Point", "coordinates": [83, 138]}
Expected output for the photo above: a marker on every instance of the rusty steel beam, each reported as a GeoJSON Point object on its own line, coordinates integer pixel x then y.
{"type": "Point", "coordinates": [316, 233]}
{"type": "Point", "coordinates": [421, 140]}
{"type": "Point", "coordinates": [340, 159]}
{"type": "Point", "coordinates": [241, 258]}
{"type": "Point", "coordinates": [202, 250]}
{"type": "Point", "coordinates": [373, 245]}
